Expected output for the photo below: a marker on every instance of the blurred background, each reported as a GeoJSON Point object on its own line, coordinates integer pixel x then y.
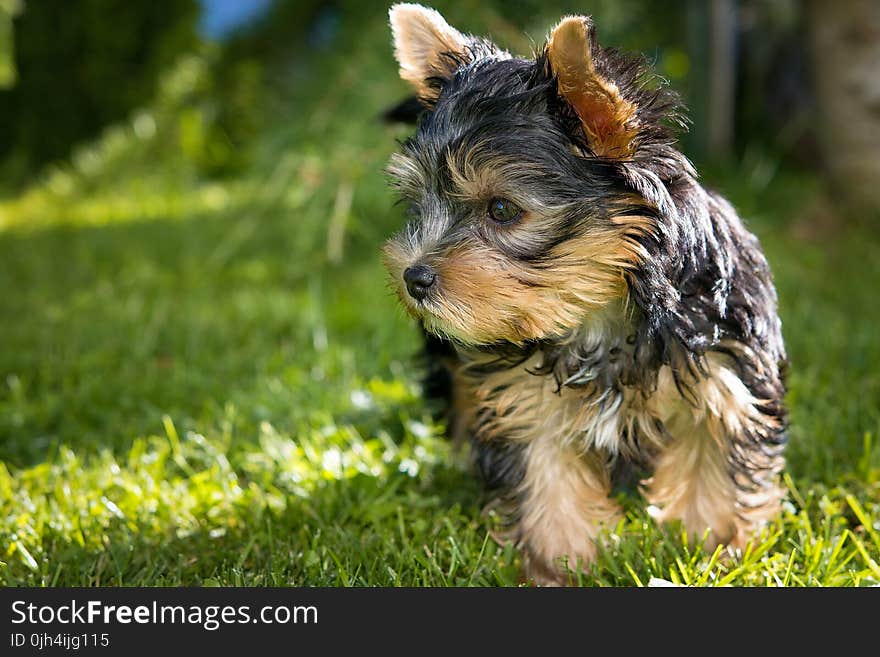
{"type": "Point", "coordinates": [192, 203]}
{"type": "Point", "coordinates": [794, 81]}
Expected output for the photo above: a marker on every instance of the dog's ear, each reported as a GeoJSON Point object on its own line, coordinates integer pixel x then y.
{"type": "Point", "coordinates": [609, 120]}
{"type": "Point", "coordinates": [426, 47]}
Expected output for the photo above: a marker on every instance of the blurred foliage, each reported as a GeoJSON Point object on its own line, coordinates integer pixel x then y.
{"type": "Point", "coordinates": [82, 65]}
{"type": "Point", "coordinates": [94, 72]}
{"type": "Point", "coordinates": [200, 124]}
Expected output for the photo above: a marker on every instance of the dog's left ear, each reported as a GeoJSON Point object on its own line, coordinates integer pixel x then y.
{"type": "Point", "coordinates": [426, 47]}
{"type": "Point", "coordinates": [609, 120]}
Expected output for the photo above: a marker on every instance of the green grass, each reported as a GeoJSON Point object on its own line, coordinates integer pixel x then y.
{"type": "Point", "coordinates": [208, 383]}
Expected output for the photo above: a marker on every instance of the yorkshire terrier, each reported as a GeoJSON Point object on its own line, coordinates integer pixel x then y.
{"type": "Point", "coordinates": [585, 300]}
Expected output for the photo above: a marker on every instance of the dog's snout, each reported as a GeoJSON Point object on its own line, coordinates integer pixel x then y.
{"type": "Point", "coordinates": [419, 279]}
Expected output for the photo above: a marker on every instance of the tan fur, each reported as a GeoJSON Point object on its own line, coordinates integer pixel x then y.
{"type": "Point", "coordinates": [421, 39]}
{"type": "Point", "coordinates": [517, 406]}
{"type": "Point", "coordinates": [609, 120]}
{"type": "Point", "coordinates": [484, 297]}
{"type": "Point", "coordinates": [692, 482]}
{"type": "Point", "coordinates": [565, 505]}
{"type": "Point", "coordinates": [478, 173]}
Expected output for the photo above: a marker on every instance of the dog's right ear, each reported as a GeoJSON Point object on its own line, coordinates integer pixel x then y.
{"type": "Point", "coordinates": [427, 48]}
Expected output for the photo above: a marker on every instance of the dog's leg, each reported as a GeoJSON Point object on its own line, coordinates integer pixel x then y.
{"type": "Point", "coordinates": [563, 504]}
{"type": "Point", "coordinates": [719, 472]}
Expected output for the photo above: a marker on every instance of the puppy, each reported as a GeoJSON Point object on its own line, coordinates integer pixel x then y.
{"type": "Point", "coordinates": [586, 302]}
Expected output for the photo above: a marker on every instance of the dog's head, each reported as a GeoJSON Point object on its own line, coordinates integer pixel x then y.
{"type": "Point", "coordinates": [526, 215]}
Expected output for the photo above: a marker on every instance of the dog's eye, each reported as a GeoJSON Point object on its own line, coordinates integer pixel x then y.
{"type": "Point", "coordinates": [503, 211]}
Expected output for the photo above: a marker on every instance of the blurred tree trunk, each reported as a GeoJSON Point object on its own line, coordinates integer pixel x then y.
{"type": "Point", "coordinates": [697, 138]}
{"type": "Point", "coordinates": [8, 10]}
{"type": "Point", "coordinates": [712, 34]}
{"type": "Point", "coordinates": [722, 77]}
{"type": "Point", "coordinates": [845, 49]}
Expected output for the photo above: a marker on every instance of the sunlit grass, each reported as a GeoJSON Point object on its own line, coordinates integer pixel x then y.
{"type": "Point", "coordinates": [207, 382]}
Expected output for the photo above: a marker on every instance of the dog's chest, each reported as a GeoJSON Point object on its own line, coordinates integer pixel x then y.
{"type": "Point", "coordinates": [595, 410]}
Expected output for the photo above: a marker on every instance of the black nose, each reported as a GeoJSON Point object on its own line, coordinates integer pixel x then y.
{"type": "Point", "coordinates": [419, 280]}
